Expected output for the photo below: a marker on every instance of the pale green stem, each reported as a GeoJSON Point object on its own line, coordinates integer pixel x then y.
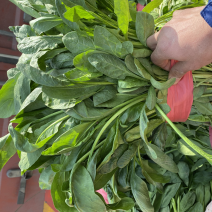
{"type": "Point", "coordinates": [190, 143]}
{"type": "Point", "coordinates": [109, 122]}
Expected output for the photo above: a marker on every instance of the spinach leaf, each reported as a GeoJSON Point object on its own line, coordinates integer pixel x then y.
{"type": "Point", "coordinates": [110, 65]}
{"type": "Point", "coordinates": [44, 24]}
{"type": "Point", "coordinates": [169, 193]}
{"type": "Point", "coordinates": [151, 98]}
{"type": "Point", "coordinates": [31, 45]}
{"type": "Point", "coordinates": [76, 13]}
{"type": "Point", "coordinates": [140, 193]}
{"type": "Point", "coordinates": [187, 201]}
{"type": "Point", "coordinates": [7, 107]}
{"type": "Point", "coordinates": [83, 191]}
{"type": "Point", "coordinates": [151, 6]}
{"type": "Point", "coordinates": [26, 7]}
{"type": "Point", "coordinates": [78, 42]}
{"type": "Point", "coordinates": [58, 196]}
{"type": "Point", "coordinates": [21, 91]}
{"type": "Point", "coordinates": [107, 42]}
{"type": "Point", "coordinates": [184, 171]}
{"type": "Point", "coordinates": [104, 95]}
{"type": "Point", "coordinates": [121, 9]}
{"type": "Point", "coordinates": [144, 26]}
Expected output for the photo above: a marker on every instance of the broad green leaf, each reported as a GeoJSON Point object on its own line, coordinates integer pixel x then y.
{"type": "Point", "coordinates": [110, 65]}
{"type": "Point", "coordinates": [143, 123]}
{"type": "Point", "coordinates": [91, 166]}
{"type": "Point", "coordinates": [187, 201]}
{"type": "Point", "coordinates": [164, 85]}
{"type": "Point", "coordinates": [76, 13]}
{"type": "Point", "coordinates": [44, 24]}
{"type": "Point", "coordinates": [85, 111]}
{"type": "Point", "coordinates": [46, 178]}
{"type": "Point", "coordinates": [184, 171]}
{"type": "Point", "coordinates": [151, 98]}
{"type": "Point", "coordinates": [71, 92]}
{"type": "Point", "coordinates": [125, 204]}
{"type": "Point", "coordinates": [132, 114]}
{"type": "Point", "coordinates": [32, 97]}
{"type": "Point", "coordinates": [7, 107]}
{"type": "Point", "coordinates": [62, 60]}
{"type": "Point", "coordinates": [152, 5]}
{"type": "Point", "coordinates": [21, 91]}
{"type": "Point", "coordinates": [83, 191]}
{"type": "Point", "coordinates": [199, 91]}
{"type": "Point", "coordinates": [12, 72]}
{"type": "Point", "coordinates": [141, 53]}
{"type": "Point", "coordinates": [140, 193]}
{"type": "Point", "coordinates": [130, 82]}
{"type": "Point", "coordinates": [141, 70]}
{"type": "Point", "coordinates": [203, 108]}
{"type": "Point", "coordinates": [162, 159]}
{"type": "Point", "coordinates": [41, 77]}
{"type": "Point", "coordinates": [3, 140]}
{"type": "Point", "coordinates": [146, 64]}
{"type": "Point", "coordinates": [78, 42]}
{"type": "Point", "coordinates": [207, 194]}
{"type": "Point", "coordinates": [81, 62]}
{"type": "Point", "coordinates": [134, 133]}
{"type": "Point", "coordinates": [29, 159]}
{"type": "Point", "coordinates": [107, 42]}
{"type": "Point", "coordinates": [31, 45]}
{"type": "Point", "coordinates": [58, 196]}
{"type": "Point", "coordinates": [129, 61]}
{"type": "Point", "coordinates": [58, 103]}
{"type": "Point", "coordinates": [197, 208]}
{"type": "Point", "coordinates": [144, 26]}
{"type": "Point", "coordinates": [158, 71]}
{"type": "Point", "coordinates": [7, 151]}
{"type": "Point", "coordinates": [202, 178]}
{"type": "Point", "coordinates": [102, 179]}
{"type": "Point", "coordinates": [198, 164]}
{"type": "Point", "coordinates": [169, 193]}
{"type": "Point", "coordinates": [121, 9]}
{"type": "Point", "coordinates": [153, 174]}
{"type": "Point", "coordinates": [48, 55]}
{"type": "Point", "coordinates": [22, 32]}
{"type": "Point", "coordinates": [69, 139]}
{"type": "Point", "coordinates": [78, 75]}
{"type": "Point", "coordinates": [61, 9]}
{"type": "Point", "coordinates": [112, 163]}
{"type": "Point", "coordinates": [127, 156]}
{"type": "Point", "coordinates": [200, 193]}
{"type": "Point", "coordinates": [26, 7]}
{"type": "Point", "coordinates": [104, 95]}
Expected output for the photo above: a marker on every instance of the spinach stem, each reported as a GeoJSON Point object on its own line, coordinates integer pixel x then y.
{"type": "Point", "coordinates": [190, 143]}
{"type": "Point", "coordinates": [87, 154]}
{"type": "Point", "coordinates": [109, 122]}
{"type": "Point", "coordinates": [49, 116]}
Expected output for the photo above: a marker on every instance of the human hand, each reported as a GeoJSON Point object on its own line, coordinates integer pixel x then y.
{"type": "Point", "coordinates": [187, 38]}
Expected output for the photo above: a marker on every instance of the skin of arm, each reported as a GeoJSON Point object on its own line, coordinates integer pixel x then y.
{"type": "Point", "coordinates": [187, 38]}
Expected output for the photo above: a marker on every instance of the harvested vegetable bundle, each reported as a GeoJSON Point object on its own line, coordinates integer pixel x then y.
{"type": "Point", "coordinates": [90, 105]}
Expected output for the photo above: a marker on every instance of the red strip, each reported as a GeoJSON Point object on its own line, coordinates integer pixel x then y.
{"type": "Point", "coordinates": [180, 98]}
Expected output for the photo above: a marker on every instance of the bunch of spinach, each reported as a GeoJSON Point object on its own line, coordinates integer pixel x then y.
{"type": "Point", "coordinates": [91, 109]}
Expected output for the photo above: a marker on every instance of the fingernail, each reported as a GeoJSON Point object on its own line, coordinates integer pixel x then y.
{"type": "Point", "coordinates": [177, 79]}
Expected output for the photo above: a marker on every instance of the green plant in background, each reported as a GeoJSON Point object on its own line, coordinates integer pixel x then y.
{"type": "Point", "coordinates": [90, 109]}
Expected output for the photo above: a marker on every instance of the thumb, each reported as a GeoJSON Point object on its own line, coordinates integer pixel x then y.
{"type": "Point", "coordinates": [178, 70]}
